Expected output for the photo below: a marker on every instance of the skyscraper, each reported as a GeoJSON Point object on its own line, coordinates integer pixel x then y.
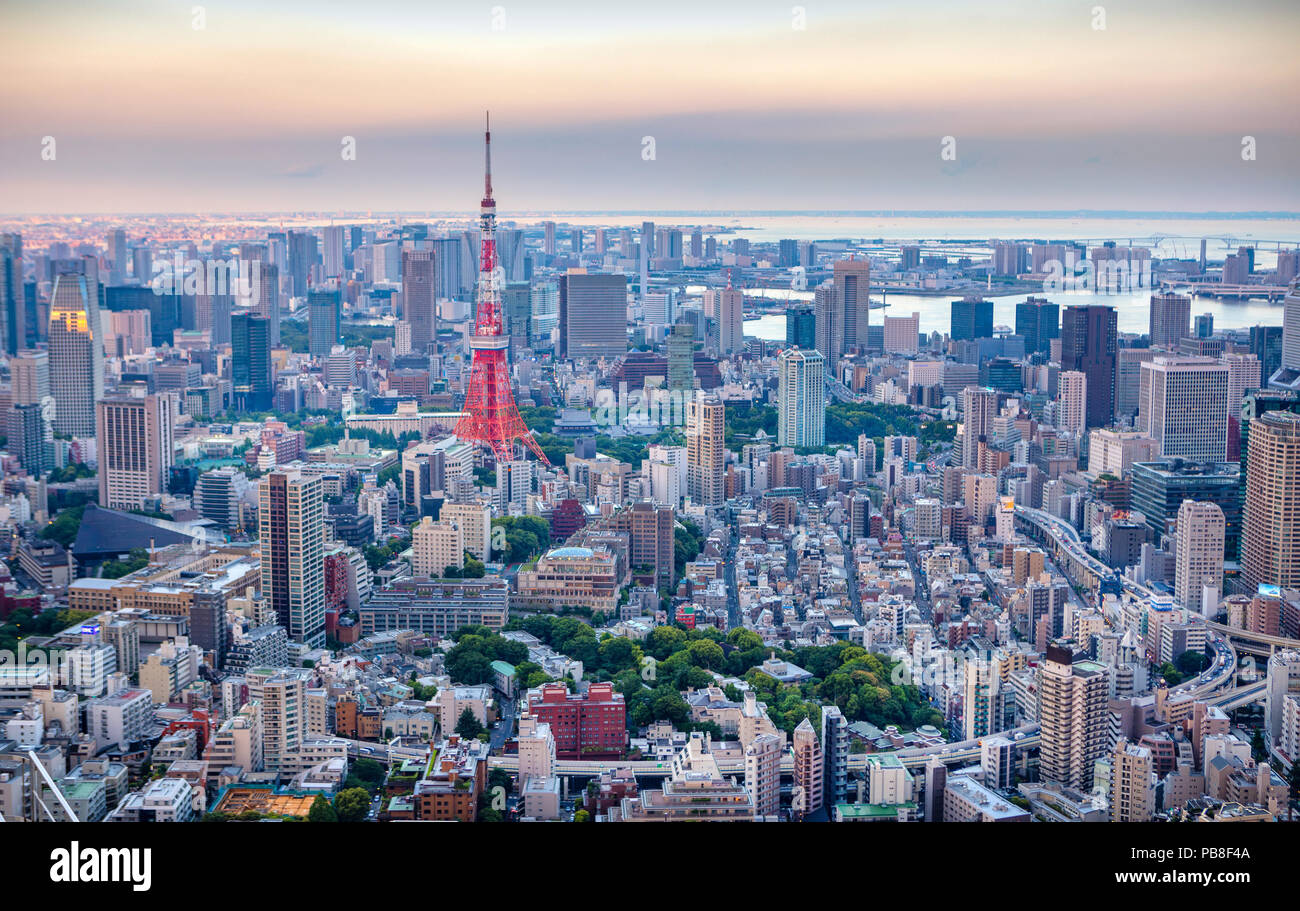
{"type": "Point", "coordinates": [302, 256]}
{"type": "Point", "coordinates": [835, 755]}
{"type": "Point", "coordinates": [419, 307]}
{"type": "Point", "coordinates": [1075, 724]}
{"type": "Point", "coordinates": [1183, 406]}
{"type": "Point", "coordinates": [1266, 344]}
{"type": "Point", "coordinates": [1038, 321]}
{"type": "Point", "coordinates": [970, 318]}
{"type": "Point", "coordinates": [801, 398]}
{"type": "Point", "coordinates": [1291, 328]}
{"type": "Point", "coordinates": [1072, 402]}
{"type": "Point", "coordinates": [76, 355]}
{"type": "Point", "coordinates": [292, 539]}
{"type": "Point", "coordinates": [324, 321]}
{"type": "Point", "coordinates": [135, 450]}
{"type": "Point", "coordinates": [680, 345]}
{"type": "Point", "coordinates": [705, 453]}
{"type": "Point", "coordinates": [852, 287]}
{"type": "Point", "coordinates": [1170, 319]}
{"type": "Point", "coordinates": [979, 407]}
{"type": "Point", "coordinates": [801, 327]}
{"type": "Point", "coordinates": [250, 362]}
{"type": "Point", "coordinates": [1088, 344]}
{"type": "Point", "coordinates": [828, 325]}
{"type": "Point", "coordinates": [1271, 534]}
{"type": "Point", "coordinates": [593, 315]}
{"type": "Point", "coordinates": [13, 309]}
{"type": "Point", "coordinates": [1198, 562]}
{"type": "Point", "coordinates": [726, 305]}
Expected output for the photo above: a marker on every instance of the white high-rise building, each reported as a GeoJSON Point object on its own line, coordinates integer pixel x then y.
{"type": "Point", "coordinates": [1243, 374]}
{"type": "Point", "coordinates": [1072, 402]}
{"type": "Point", "coordinates": [1183, 406]}
{"type": "Point", "coordinates": [727, 306]}
{"type": "Point", "coordinates": [291, 533]}
{"type": "Point", "coordinates": [135, 449]}
{"type": "Point", "coordinates": [763, 773]}
{"type": "Point", "coordinates": [903, 334]}
{"type": "Point", "coordinates": [705, 450]}
{"type": "Point", "coordinates": [1198, 560]}
{"type": "Point", "coordinates": [801, 398]}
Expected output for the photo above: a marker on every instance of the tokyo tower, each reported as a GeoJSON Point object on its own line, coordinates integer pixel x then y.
{"type": "Point", "coordinates": [491, 415]}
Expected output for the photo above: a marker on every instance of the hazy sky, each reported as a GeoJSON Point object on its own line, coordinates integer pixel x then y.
{"type": "Point", "coordinates": [150, 114]}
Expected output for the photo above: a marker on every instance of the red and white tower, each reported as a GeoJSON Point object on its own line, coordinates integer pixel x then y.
{"type": "Point", "coordinates": [491, 415]}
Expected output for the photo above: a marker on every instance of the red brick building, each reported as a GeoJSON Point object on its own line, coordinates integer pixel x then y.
{"type": "Point", "coordinates": [593, 726]}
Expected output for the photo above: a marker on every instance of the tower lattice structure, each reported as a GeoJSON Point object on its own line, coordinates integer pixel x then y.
{"type": "Point", "coordinates": [491, 416]}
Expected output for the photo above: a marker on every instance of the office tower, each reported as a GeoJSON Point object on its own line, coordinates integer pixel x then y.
{"type": "Point", "coordinates": [134, 445]}
{"type": "Point", "coordinates": [727, 307]}
{"type": "Point", "coordinates": [291, 533]}
{"type": "Point", "coordinates": [1128, 380]}
{"type": "Point", "coordinates": [681, 358]}
{"type": "Point", "coordinates": [1170, 319]}
{"type": "Point", "coordinates": [1088, 343]}
{"type": "Point", "coordinates": [979, 407]}
{"type": "Point", "coordinates": [265, 278]}
{"type": "Point", "coordinates": [971, 318]}
{"type": "Point", "coordinates": [142, 265]}
{"type": "Point", "coordinates": [852, 279]}
{"type": "Point", "coordinates": [902, 334]}
{"type": "Point", "coordinates": [1291, 328]}
{"type": "Point", "coordinates": [801, 327]}
{"type": "Point", "coordinates": [1075, 724]}
{"type": "Point", "coordinates": [835, 755]}
{"type": "Point", "coordinates": [1183, 406]}
{"type": "Point", "coordinates": [1243, 375]}
{"type": "Point", "coordinates": [1266, 345]}
{"type": "Point", "coordinates": [447, 268]}
{"type": "Point", "coordinates": [809, 776]}
{"type": "Point", "coordinates": [332, 251]}
{"type": "Point", "coordinates": [1198, 561]}
{"type": "Point", "coordinates": [76, 355]}
{"type": "Point", "coordinates": [250, 362]}
{"type": "Point", "coordinates": [324, 321]}
{"type": "Point", "coordinates": [1072, 402]}
{"type": "Point", "coordinates": [1009, 258]}
{"type": "Point", "coordinates": [763, 773]}
{"type": "Point", "coordinates": [419, 307]}
{"type": "Point", "coordinates": [510, 254]}
{"type": "Point", "coordinates": [302, 256]}
{"type": "Point", "coordinates": [216, 497]}
{"type": "Point", "coordinates": [829, 325]}
{"type": "Point", "coordinates": [801, 399]}
{"type": "Point", "coordinates": [705, 454]}
{"type": "Point", "coordinates": [575, 241]}
{"type": "Point", "coordinates": [593, 315]}
{"type": "Point", "coordinates": [1271, 532]}
{"type": "Point", "coordinates": [1132, 783]}
{"type": "Point", "coordinates": [660, 307]}
{"type": "Point", "coordinates": [548, 238]}
{"type": "Point", "coordinates": [13, 296]}
{"type": "Point", "coordinates": [1203, 326]}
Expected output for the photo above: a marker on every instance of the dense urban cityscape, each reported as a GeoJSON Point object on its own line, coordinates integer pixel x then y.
{"type": "Point", "coordinates": [508, 515]}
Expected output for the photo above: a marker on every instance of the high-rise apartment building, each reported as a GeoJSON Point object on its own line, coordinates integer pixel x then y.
{"type": "Point", "coordinates": [134, 444]}
{"type": "Point", "coordinates": [809, 773]}
{"type": "Point", "coordinates": [763, 773]}
{"type": "Point", "coordinates": [1072, 402]}
{"type": "Point", "coordinates": [705, 452]}
{"type": "Point", "coordinates": [801, 398]}
{"type": "Point", "coordinates": [292, 539]}
{"type": "Point", "coordinates": [828, 324]}
{"type": "Point", "coordinates": [1075, 724]}
{"type": "Point", "coordinates": [979, 407]}
{"type": "Point", "coordinates": [1183, 406]}
{"type": "Point", "coordinates": [1088, 344]}
{"type": "Point", "coordinates": [1132, 783]}
{"type": "Point", "coordinates": [1198, 562]}
{"type": "Point", "coordinates": [76, 354]}
{"type": "Point", "coordinates": [1271, 528]}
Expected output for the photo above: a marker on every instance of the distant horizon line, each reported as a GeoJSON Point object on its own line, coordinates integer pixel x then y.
{"type": "Point", "coordinates": [1268, 214]}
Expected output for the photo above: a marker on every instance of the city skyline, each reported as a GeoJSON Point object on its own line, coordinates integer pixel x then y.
{"type": "Point", "coordinates": [848, 113]}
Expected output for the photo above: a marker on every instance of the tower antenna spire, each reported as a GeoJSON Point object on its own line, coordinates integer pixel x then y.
{"type": "Point", "coordinates": [487, 158]}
